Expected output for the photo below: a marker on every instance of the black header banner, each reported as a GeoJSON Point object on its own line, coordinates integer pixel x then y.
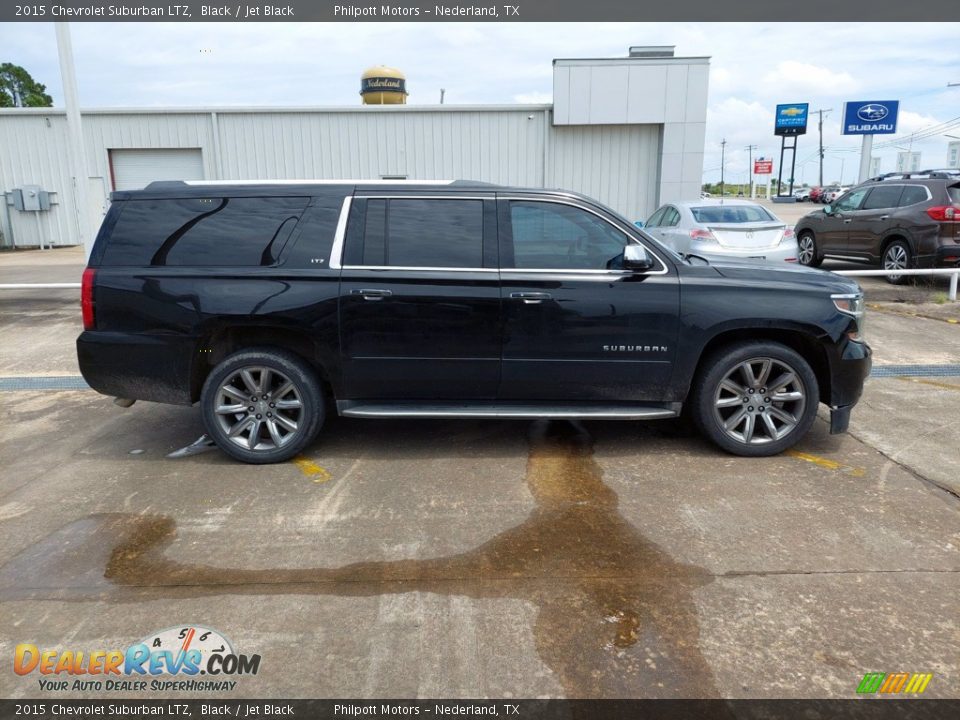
{"type": "Point", "coordinates": [362, 709]}
{"type": "Point", "coordinates": [482, 11]}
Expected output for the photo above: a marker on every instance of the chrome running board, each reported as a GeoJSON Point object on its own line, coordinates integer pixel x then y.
{"type": "Point", "coordinates": [504, 410]}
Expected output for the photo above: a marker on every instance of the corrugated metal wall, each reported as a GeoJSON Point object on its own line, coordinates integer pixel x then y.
{"type": "Point", "coordinates": [33, 151]}
{"type": "Point", "coordinates": [498, 147]}
{"type": "Point", "coordinates": [617, 164]}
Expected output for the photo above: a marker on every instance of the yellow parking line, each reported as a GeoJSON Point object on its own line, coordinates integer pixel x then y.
{"type": "Point", "coordinates": [945, 386]}
{"type": "Point", "coordinates": [827, 463]}
{"type": "Point", "coordinates": [313, 471]}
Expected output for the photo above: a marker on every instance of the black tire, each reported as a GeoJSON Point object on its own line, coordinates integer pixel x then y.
{"type": "Point", "coordinates": [814, 258]}
{"type": "Point", "coordinates": [756, 438]}
{"type": "Point", "coordinates": [897, 254]}
{"type": "Point", "coordinates": [258, 431]}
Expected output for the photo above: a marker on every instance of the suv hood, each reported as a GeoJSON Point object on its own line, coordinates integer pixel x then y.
{"type": "Point", "coordinates": [792, 274]}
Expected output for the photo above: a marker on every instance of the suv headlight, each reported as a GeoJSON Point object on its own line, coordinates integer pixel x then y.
{"type": "Point", "coordinates": [851, 304]}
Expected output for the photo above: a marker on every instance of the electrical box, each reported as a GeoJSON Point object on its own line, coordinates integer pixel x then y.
{"type": "Point", "coordinates": [31, 198]}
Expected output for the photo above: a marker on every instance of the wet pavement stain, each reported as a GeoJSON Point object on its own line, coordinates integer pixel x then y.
{"type": "Point", "coordinates": [616, 616]}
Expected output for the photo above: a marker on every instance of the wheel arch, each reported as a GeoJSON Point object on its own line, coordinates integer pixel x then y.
{"type": "Point", "coordinates": [220, 341]}
{"type": "Point", "coordinates": [807, 345]}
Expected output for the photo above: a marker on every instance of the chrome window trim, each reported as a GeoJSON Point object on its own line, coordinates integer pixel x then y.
{"type": "Point", "coordinates": [336, 251]}
{"type": "Point", "coordinates": [580, 206]}
{"type": "Point", "coordinates": [425, 268]}
{"type": "Point", "coordinates": [382, 196]}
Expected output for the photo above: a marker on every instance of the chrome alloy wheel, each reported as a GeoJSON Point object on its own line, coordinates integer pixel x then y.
{"type": "Point", "coordinates": [259, 409]}
{"type": "Point", "coordinates": [759, 401]}
{"type": "Point", "coordinates": [806, 249]}
{"type": "Point", "coordinates": [895, 258]}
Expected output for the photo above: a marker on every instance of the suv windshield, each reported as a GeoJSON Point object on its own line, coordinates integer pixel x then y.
{"type": "Point", "coordinates": [730, 214]}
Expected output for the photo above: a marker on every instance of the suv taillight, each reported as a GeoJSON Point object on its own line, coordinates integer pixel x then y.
{"type": "Point", "coordinates": [944, 213]}
{"type": "Point", "coordinates": [86, 298]}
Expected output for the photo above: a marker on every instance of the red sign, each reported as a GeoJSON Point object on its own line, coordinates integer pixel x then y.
{"type": "Point", "coordinates": [762, 167]}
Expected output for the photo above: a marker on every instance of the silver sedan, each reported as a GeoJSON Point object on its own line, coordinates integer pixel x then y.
{"type": "Point", "coordinates": [724, 230]}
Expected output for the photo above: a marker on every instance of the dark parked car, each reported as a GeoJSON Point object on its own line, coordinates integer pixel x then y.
{"type": "Point", "coordinates": [273, 304]}
{"type": "Point", "coordinates": [897, 221]}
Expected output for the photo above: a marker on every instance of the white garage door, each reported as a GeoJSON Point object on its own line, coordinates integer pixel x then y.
{"type": "Point", "coordinates": [135, 169]}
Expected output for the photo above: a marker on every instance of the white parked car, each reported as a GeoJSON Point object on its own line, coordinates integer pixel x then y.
{"type": "Point", "coordinates": [833, 194]}
{"type": "Point", "coordinates": [724, 230]}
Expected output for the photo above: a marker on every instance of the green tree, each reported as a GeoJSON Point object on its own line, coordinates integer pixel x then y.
{"type": "Point", "coordinates": [18, 89]}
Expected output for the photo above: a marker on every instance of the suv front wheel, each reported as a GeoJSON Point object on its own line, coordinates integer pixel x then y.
{"type": "Point", "coordinates": [262, 405]}
{"type": "Point", "coordinates": [755, 399]}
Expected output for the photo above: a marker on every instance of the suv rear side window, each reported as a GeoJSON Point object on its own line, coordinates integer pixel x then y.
{"type": "Point", "coordinates": [424, 233]}
{"type": "Point", "coordinates": [203, 231]}
{"type": "Point", "coordinates": [553, 236]}
{"type": "Point", "coordinates": [913, 194]}
{"type": "Point", "coordinates": [882, 196]}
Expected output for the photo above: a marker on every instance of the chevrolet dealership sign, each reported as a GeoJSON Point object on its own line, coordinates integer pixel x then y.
{"type": "Point", "coordinates": [870, 117]}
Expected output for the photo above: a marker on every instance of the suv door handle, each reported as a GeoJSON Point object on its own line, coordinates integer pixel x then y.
{"type": "Point", "coordinates": [848, 220]}
{"type": "Point", "coordinates": [531, 298]}
{"type": "Point", "coordinates": [883, 217]}
{"type": "Point", "coordinates": [372, 294]}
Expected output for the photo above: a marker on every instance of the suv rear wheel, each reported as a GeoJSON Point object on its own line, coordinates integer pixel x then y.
{"type": "Point", "coordinates": [755, 399]}
{"type": "Point", "coordinates": [808, 250]}
{"type": "Point", "coordinates": [897, 257]}
{"type": "Point", "coordinates": [262, 405]}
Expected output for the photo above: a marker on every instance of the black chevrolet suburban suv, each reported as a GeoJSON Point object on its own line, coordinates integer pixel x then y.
{"type": "Point", "coordinates": [272, 304]}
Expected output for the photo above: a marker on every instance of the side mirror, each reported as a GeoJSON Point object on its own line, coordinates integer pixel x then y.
{"type": "Point", "coordinates": [638, 223]}
{"type": "Point", "coordinates": [636, 257]}
{"type": "Point", "coordinates": [827, 209]}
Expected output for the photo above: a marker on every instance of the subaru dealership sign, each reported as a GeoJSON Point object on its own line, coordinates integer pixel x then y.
{"type": "Point", "coordinates": [870, 117]}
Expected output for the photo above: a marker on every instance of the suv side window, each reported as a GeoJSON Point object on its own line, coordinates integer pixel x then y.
{"type": "Point", "coordinates": [424, 233]}
{"type": "Point", "coordinates": [201, 232]}
{"type": "Point", "coordinates": [882, 196]}
{"type": "Point", "coordinates": [552, 236]}
{"type": "Point", "coordinates": [850, 201]}
{"type": "Point", "coordinates": [913, 194]}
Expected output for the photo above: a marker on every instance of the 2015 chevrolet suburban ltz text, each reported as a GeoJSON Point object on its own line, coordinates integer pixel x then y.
{"type": "Point", "coordinates": [274, 304]}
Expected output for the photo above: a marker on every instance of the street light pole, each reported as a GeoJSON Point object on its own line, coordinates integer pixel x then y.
{"type": "Point", "coordinates": [77, 149]}
{"type": "Point", "coordinates": [750, 149]}
{"type": "Point", "coordinates": [723, 147]}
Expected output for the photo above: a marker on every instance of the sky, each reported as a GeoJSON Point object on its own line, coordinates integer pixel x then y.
{"type": "Point", "coordinates": [754, 66]}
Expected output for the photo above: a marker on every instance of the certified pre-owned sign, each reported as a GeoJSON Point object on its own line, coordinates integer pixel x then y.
{"type": "Point", "coordinates": [870, 117]}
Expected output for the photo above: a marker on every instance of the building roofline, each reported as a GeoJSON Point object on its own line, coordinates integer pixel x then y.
{"type": "Point", "coordinates": [247, 109]}
{"type": "Point", "coordinates": [667, 60]}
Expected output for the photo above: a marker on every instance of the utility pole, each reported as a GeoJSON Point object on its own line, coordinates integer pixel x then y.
{"type": "Point", "coordinates": [723, 147]}
{"type": "Point", "coordinates": [750, 149]}
{"type": "Point", "coordinates": [820, 130]}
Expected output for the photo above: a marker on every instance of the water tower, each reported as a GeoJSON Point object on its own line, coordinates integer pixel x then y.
{"type": "Point", "coordinates": [381, 85]}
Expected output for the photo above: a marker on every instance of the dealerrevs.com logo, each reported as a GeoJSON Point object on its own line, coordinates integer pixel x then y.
{"type": "Point", "coordinates": [185, 653]}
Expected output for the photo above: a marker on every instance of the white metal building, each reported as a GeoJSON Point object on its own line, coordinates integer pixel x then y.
{"type": "Point", "coordinates": [627, 131]}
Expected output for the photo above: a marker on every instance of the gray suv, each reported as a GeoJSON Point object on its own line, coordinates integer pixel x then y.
{"type": "Point", "coordinates": [895, 221]}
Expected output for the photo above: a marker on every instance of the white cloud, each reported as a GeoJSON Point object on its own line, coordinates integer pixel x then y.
{"type": "Point", "coordinates": [800, 78]}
